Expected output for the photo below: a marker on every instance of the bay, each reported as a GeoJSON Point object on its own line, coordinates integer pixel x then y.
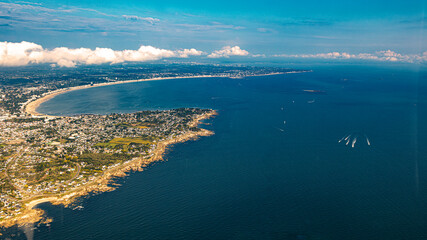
{"type": "Point", "coordinates": [275, 168]}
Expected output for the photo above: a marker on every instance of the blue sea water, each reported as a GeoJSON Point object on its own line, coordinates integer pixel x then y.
{"type": "Point", "coordinates": [274, 168]}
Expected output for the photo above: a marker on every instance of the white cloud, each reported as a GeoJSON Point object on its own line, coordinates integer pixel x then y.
{"type": "Point", "coordinates": [388, 55]}
{"type": "Point", "coordinates": [228, 51]}
{"type": "Point", "coordinates": [137, 18]}
{"type": "Point", "coordinates": [258, 55]}
{"type": "Point", "coordinates": [213, 26]}
{"type": "Point", "coordinates": [189, 52]}
{"type": "Point", "coordinates": [18, 54]}
{"type": "Point", "coordinates": [24, 53]}
{"type": "Point", "coordinates": [26, 6]}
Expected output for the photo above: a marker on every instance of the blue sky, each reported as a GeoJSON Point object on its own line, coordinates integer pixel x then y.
{"type": "Point", "coordinates": [261, 27]}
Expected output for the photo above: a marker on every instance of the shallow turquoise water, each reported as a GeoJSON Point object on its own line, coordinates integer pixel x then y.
{"type": "Point", "coordinates": [261, 178]}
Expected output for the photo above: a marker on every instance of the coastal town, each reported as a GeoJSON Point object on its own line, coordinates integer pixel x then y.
{"type": "Point", "coordinates": [59, 158]}
{"type": "Point", "coordinates": [44, 157]}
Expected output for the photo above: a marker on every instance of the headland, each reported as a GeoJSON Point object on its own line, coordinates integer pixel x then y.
{"type": "Point", "coordinates": [58, 165]}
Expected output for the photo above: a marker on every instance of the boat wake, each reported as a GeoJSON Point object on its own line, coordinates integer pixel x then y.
{"type": "Point", "coordinates": [352, 137]}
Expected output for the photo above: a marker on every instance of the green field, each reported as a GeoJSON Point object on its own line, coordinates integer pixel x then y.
{"type": "Point", "coordinates": [127, 141]}
{"type": "Point", "coordinates": [123, 142]}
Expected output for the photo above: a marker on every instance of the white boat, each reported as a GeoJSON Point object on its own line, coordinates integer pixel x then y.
{"type": "Point", "coordinates": [354, 142]}
{"type": "Point", "coordinates": [342, 139]}
{"type": "Point", "coordinates": [348, 141]}
{"type": "Point", "coordinates": [347, 137]}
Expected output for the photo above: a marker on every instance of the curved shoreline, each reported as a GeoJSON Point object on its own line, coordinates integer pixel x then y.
{"type": "Point", "coordinates": [31, 107]}
{"type": "Point", "coordinates": [30, 214]}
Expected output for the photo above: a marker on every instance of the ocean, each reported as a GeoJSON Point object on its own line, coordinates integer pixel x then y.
{"type": "Point", "coordinates": [275, 168]}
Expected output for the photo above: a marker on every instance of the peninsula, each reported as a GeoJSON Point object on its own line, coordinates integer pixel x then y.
{"type": "Point", "coordinates": [57, 159]}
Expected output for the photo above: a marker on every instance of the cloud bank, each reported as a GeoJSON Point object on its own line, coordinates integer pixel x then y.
{"type": "Point", "coordinates": [24, 53]}
{"type": "Point", "coordinates": [228, 51]}
{"type": "Point", "coordinates": [388, 56]}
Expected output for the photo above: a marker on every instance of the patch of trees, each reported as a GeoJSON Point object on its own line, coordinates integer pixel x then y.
{"type": "Point", "coordinates": [25, 120]}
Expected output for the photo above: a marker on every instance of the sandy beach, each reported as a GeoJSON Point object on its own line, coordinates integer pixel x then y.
{"type": "Point", "coordinates": [102, 183]}
{"type": "Point", "coordinates": [31, 107]}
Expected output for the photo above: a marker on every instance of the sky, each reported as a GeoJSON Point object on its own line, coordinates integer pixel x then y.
{"type": "Point", "coordinates": [378, 30]}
